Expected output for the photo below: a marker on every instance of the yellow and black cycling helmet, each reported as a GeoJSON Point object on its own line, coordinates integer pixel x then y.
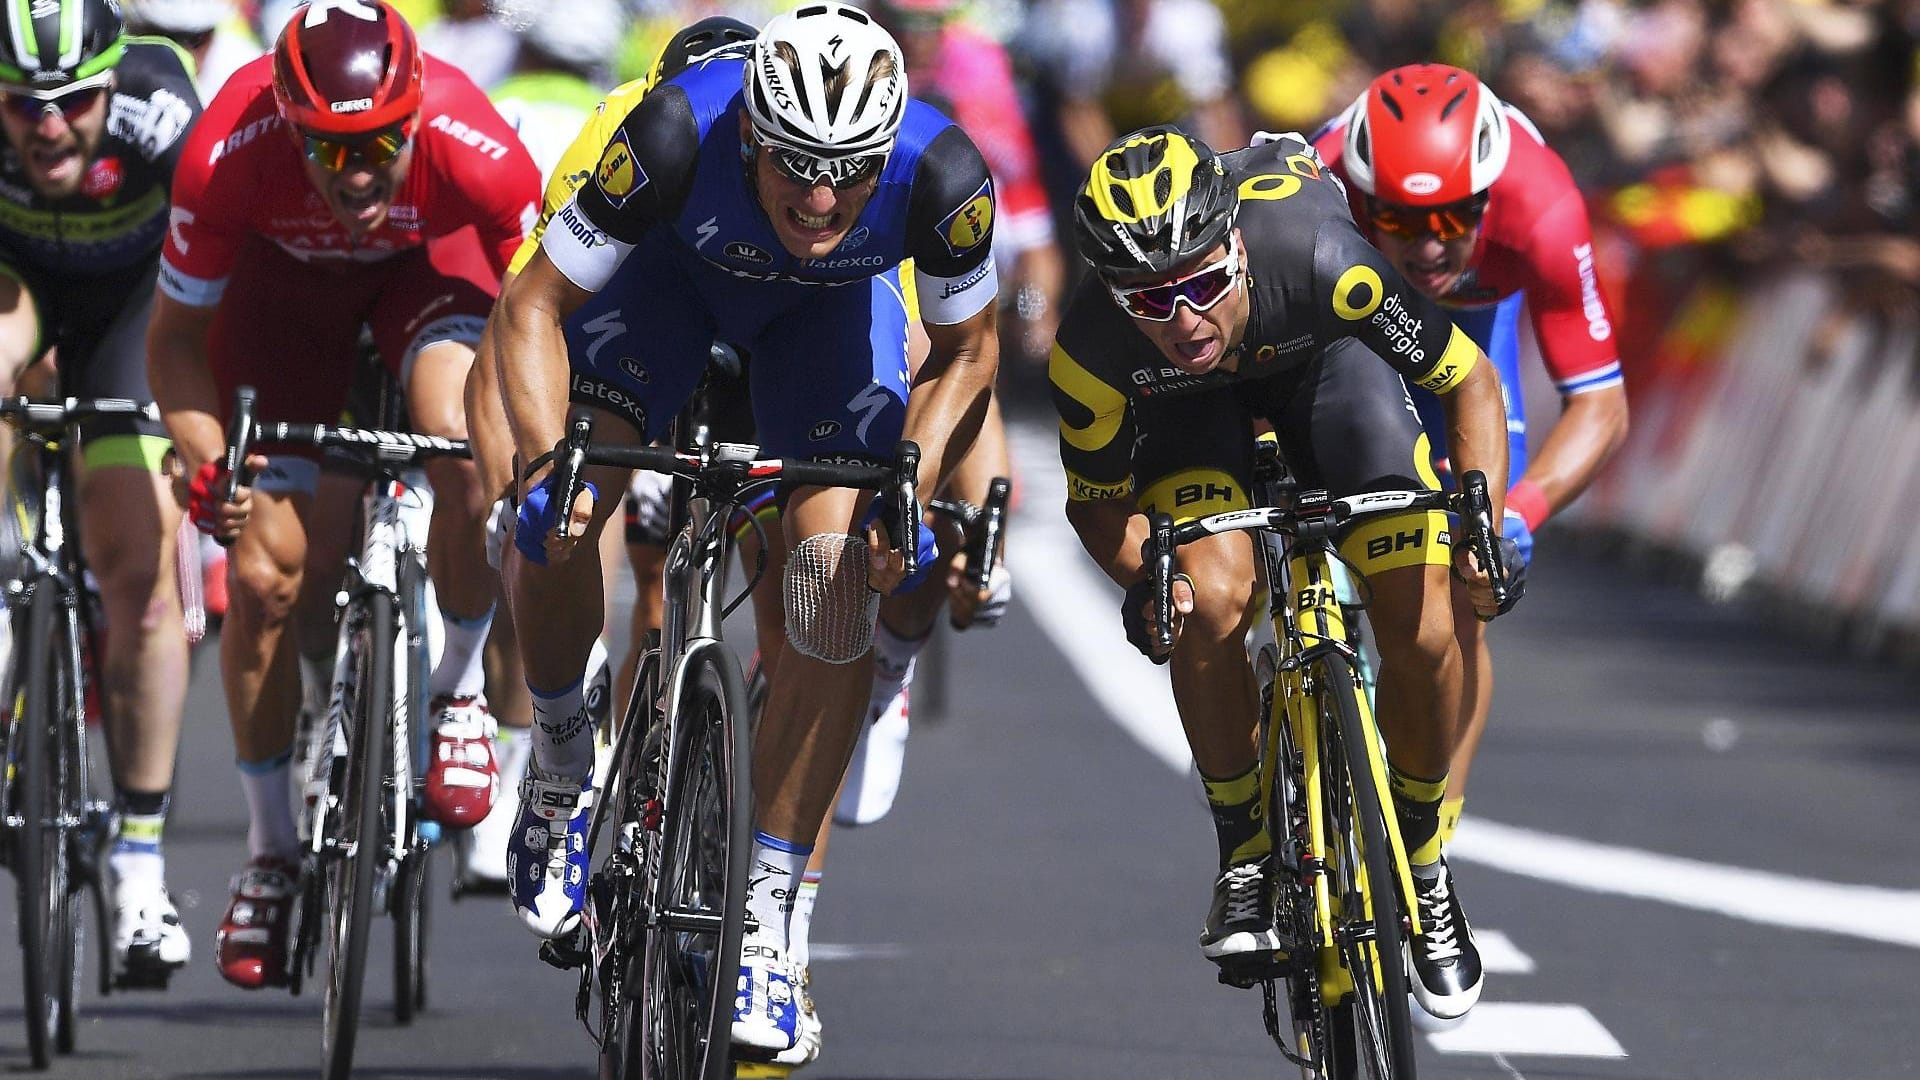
{"type": "Point", "coordinates": [1156, 200]}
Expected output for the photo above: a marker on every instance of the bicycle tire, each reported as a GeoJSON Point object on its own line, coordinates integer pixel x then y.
{"type": "Point", "coordinates": [410, 887]}
{"type": "Point", "coordinates": [350, 875]}
{"type": "Point", "coordinates": [686, 1018]}
{"type": "Point", "coordinates": [1372, 1029]}
{"type": "Point", "coordinates": [631, 794]}
{"type": "Point", "coordinates": [39, 849]}
{"type": "Point", "coordinates": [1295, 915]}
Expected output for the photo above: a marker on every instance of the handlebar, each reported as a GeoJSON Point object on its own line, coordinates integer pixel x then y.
{"type": "Point", "coordinates": [1316, 515]}
{"type": "Point", "coordinates": [38, 414]}
{"type": "Point", "coordinates": [982, 526]}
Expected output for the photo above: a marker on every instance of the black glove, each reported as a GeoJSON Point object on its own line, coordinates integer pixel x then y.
{"type": "Point", "coordinates": [1133, 615]}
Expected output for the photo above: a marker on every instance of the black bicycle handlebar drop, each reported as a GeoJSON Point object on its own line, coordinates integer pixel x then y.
{"type": "Point", "coordinates": [993, 523]}
{"type": "Point", "coordinates": [1477, 510]}
{"type": "Point", "coordinates": [1159, 560]}
{"type": "Point", "coordinates": [58, 412]}
{"type": "Point", "coordinates": [240, 436]}
{"type": "Point", "coordinates": [906, 523]}
{"type": "Point", "coordinates": [569, 461]}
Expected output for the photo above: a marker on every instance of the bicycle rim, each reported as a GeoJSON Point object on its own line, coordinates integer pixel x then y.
{"type": "Point", "coordinates": [410, 885]}
{"type": "Point", "coordinates": [1381, 1044]}
{"type": "Point", "coordinates": [37, 848]}
{"type": "Point", "coordinates": [1295, 912]}
{"type": "Point", "coordinates": [351, 870]}
{"type": "Point", "coordinates": [412, 888]}
{"type": "Point", "coordinates": [690, 977]}
{"type": "Point", "coordinates": [619, 886]}
{"type": "Point", "coordinates": [71, 799]}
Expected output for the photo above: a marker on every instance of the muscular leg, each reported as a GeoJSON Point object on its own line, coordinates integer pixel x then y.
{"type": "Point", "coordinates": [1213, 683]}
{"type": "Point", "coordinates": [1476, 704]}
{"type": "Point", "coordinates": [457, 561]}
{"type": "Point", "coordinates": [1421, 675]}
{"type": "Point", "coordinates": [257, 663]}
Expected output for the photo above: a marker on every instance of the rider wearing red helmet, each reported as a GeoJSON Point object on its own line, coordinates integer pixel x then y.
{"type": "Point", "coordinates": [1467, 201]}
{"type": "Point", "coordinates": [339, 183]}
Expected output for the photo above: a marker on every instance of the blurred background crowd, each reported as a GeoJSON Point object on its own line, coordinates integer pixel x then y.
{"type": "Point", "coordinates": [1729, 149]}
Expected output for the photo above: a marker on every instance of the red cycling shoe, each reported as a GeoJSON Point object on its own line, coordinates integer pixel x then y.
{"type": "Point", "coordinates": [251, 946]}
{"type": "Point", "coordinates": [462, 777]}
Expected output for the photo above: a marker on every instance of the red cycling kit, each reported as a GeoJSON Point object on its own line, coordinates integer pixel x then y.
{"type": "Point", "coordinates": [249, 233]}
{"type": "Point", "coordinates": [1535, 238]}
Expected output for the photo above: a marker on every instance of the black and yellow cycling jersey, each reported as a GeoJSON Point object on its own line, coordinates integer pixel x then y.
{"type": "Point", "coordinates": [1332, 331]}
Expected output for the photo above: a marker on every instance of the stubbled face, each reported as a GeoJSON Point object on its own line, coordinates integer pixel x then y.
{"type": "Point", "coordinates": [56, 145]}
{"type": "Point", "coordinates": [359, 195]}
{"type": "Point", "coordinates": [1196, 342]}
{"type": "Point", "coordinates": [1430, 264]}
{"type": "Point", "coordinates": [809, 219]}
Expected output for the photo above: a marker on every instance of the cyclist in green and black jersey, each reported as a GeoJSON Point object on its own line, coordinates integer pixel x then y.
{"type": "Point", "coordinates": [1229, 289]}
{"type": "Point", "coordinates": [94, 121]}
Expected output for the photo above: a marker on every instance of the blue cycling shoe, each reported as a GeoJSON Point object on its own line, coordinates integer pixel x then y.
{"type": "Point", "coordinates": [547, 851]}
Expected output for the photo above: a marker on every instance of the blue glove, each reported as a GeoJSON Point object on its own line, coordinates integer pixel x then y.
{"type": "Point", "coordinates": [536, 519]}
{"type": "Point", "coordinates": [926, 546]}
{"type": "Point", "coordinates": [1514, 528]}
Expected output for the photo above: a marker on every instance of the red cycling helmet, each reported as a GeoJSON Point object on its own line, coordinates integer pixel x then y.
{"type": "Point", "coordinates": [346, 68]}
{"type": "Point", "coordinates": [1426, 135]}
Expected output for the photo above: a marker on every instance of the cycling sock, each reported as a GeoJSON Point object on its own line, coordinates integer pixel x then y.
{"type": "Point", "coordinates": [511, 747]}
{"type": "Point", "coordinates": [461, 671]}
{"type": "Point", "coordinates": [1416, 801]}
{"type": "Point", "coordinates": [800, 927]}
{"type": "Point", "coordinates": [894, 658]}
{"type": "Point", "coordinates": [270, 828]}
{"type": "Point", "coordinates": [562, 732]}
{"type": "Point", "coordinates": [136, 852]}
{"type": "Point", "coordinates": [1237, 818]}
{"type": "Point", "coordinates": [773, 883]}
{"type": "Point", "coordinates": [1450, 818]}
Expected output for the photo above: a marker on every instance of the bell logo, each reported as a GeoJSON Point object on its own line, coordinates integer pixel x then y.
{"type": "Point", "coordinates": [1420, 183]}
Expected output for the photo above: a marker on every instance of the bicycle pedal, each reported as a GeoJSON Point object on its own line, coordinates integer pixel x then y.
{"type": "Point", "coordinates": [1247, 972]}
{"type": "Point", "coordinates": [564, 953]}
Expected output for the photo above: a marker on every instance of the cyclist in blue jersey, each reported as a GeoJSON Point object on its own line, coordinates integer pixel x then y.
{"type": "Point", "coordinates": [768, 201]}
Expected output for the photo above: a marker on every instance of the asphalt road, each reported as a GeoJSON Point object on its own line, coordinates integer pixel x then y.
{"type": "Point", "coordinates": [1689, 854]}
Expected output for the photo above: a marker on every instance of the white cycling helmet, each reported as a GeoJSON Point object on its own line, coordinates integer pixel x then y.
{"type": "Point", "coordinates": [824, 81]}
{"type": "Point", "coordinates": [179, 16]}
{"type": "Point", "coordinates": [583, 34]}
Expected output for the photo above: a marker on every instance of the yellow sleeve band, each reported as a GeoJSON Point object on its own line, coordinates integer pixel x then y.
{"type": "Point", "coordinates": [1108, 406]}
{"type": "Point", "coordinates": [1454, 364]}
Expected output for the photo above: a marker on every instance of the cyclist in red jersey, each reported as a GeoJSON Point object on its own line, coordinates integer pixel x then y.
{"type": "Point", "coordinates": [1468, 202]}
{"type": "Point", "coordinates": [346, 180]}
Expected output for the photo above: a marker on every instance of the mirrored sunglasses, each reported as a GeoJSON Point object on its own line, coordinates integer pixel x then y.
{"type": "Point", "coordinates": [1200, 290]}
{"type": "Point", "coordinates": [837, 173]}
{"type": "Point", "coordinates": [1444, 223]}
{"type": "Point", "coordinates": [71, 104]}
{"type": "Point", "coordinates": [380, 148]}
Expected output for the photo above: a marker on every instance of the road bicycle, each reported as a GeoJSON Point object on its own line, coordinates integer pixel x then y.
{"type": "Point", "coordinates": [53, 831]}
{"type": "Point", "coordinates": [666, 910]}
{"type": "Point", "coordinates": [1344, 907]}
{"type": "Point", "coordinates": [368, 846]}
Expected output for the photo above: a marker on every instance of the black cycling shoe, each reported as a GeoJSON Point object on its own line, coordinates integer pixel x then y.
{"type": "Point", "coordinates": [1240, 920]}
{"type": "Point", "coordinates": [1447, 975]}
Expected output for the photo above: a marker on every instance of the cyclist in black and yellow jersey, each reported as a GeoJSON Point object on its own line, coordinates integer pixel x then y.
{"type": "Point", "coordinates": [94, 122]}
{"type": "Point", "coordinates": [1235, 288]}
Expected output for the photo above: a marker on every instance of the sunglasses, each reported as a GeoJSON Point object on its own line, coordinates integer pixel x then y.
{"type": "Point", "coordinates": [377, 149]}
{"type": "Point", "coordinates": [71, 104]}
{"type": "Point", "coordinates": [1444, 223]}
{"type": "Point", "coordinates": [1200, 290]}
{"type": "Point", "coordinates": [810, 171]}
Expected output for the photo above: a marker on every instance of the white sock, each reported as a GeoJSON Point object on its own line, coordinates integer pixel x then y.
{"type": "Point", "coordinates": [462, 671]}
{"type": "Point", "coordinates": [136, 854]}
{"type": "Point", "coordinates": [773, 883]}
{"type": "Point", "coordinates": [800, 927]}
{"type": "Point", "coordinates": [511, 748]}
{"type": "Point", "coordinates": [894, 658]}
{"type": "Point", "coordinates": [270, 828]}
{"type": "Point", "coordinates": [562, 732]}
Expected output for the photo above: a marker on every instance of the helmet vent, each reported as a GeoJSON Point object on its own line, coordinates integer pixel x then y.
{"type": "Point", "coordinates": [1393, 106]}
{"type": "Point", "coordinates": [1483, 143]}
{"type": "Point", "coordinates": [1452, 104]}
{"type": "Point", "coordinates": [1122, 201]}
{"type": "Point", "coordinates": [1163, 187]}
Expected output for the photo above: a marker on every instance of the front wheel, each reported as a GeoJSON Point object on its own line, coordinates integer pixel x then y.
{"type": "Point", "coordinates": [357, 851]}
{"type": "Point", "coordinates": [1373, 1032]}
{"type": "Point", "coordinates": [692, 950]}
{"type": "Point", "coordinates": [42, 867]}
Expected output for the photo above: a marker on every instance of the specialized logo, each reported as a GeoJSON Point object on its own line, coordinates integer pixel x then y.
{"type": "Point", "coordinates": [1420, 183]}
{"type": "Point", "coordinates": [618, 174]}
{"type": "Point", "coordinates": [967, 227]}
{"type": "Point", "coordinates": [706, 230]}
{"type": "Point", "coordinates": [746, 252]}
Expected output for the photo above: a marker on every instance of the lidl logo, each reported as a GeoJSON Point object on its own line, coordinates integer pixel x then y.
{"type": "Point", "coordinates": [967, 227]}
{"type": "Point", "coordinates": [618, 175]}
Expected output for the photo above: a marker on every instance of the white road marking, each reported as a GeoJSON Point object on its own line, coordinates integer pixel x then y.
{"type": "Point", "coordinates": [1077, 607]}
{"type": "Point", "coordinates": [1759, 896]}
{"type": "Point", "coordinates": [1501, 1027]}
{"type": "Point", "coordinates": [1499, 955]}
{"type": "Point", "coordinates": [830, 952]}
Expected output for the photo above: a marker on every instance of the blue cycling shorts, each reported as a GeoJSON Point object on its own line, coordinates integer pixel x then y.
{"type": "Point", "coordinates": [1496, 329]}
{"type": "Point", "coordinates": [828, 375]}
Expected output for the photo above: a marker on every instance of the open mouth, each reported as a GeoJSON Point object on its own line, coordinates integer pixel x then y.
{"type": "Point", "coordinates": [1197, 356]}
{"type": "Point", "coordinates": [362, 206]}
{"type": "Point", "coordinates": [821, 225]}
{"type": "Point", "coordinates": [55, 163]}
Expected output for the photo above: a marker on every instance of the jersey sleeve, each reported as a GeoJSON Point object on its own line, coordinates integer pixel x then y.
{"type": "Point", "coordinates": [483, 172]}
{"type": "Point", "coordinates": [1358, 294]}
{"type": "Point", "coordinates": [1096, 417]}
{"type": "Point", "coordinates": [1570, 315]}
{"type": "Point", "coordinates": [213, 183]}
{"type": "Point", "coordinates": [950, 229]}
{"type": "Point", "coordinates": [168, 104]}
{"type": "Point", "coordinates": [640, 179]}
{"type": "Point", "coordinates": [577, 162]}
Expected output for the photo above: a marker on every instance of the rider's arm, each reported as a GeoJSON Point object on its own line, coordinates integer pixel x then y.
{"type": "Point", "coordinates": [1096, 443]}
{"type": "Point", "coordinates": [1360, 295]}
{"type": "Point", "coordinates": [527, 348]}
{"type": "Point", "coordinates": [950, 238]}
{"type": "Point", "coordinates": [182, 382]}
{"type": "Point", "coordinates": [1578, 345]}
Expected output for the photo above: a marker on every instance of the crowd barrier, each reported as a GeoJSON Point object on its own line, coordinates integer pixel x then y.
{"type": "Point", "coordinates": [1776, 441]}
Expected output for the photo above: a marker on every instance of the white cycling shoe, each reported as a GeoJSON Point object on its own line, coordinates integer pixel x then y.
{"type": "Point", "coordinates": [806, 1047]}
{"type": "Point", "coordinates": [873, 774]}
{"type": "Point", "coordinates": [766, 1006]}
{"type": "Point", "coordinates": [149, 944]}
